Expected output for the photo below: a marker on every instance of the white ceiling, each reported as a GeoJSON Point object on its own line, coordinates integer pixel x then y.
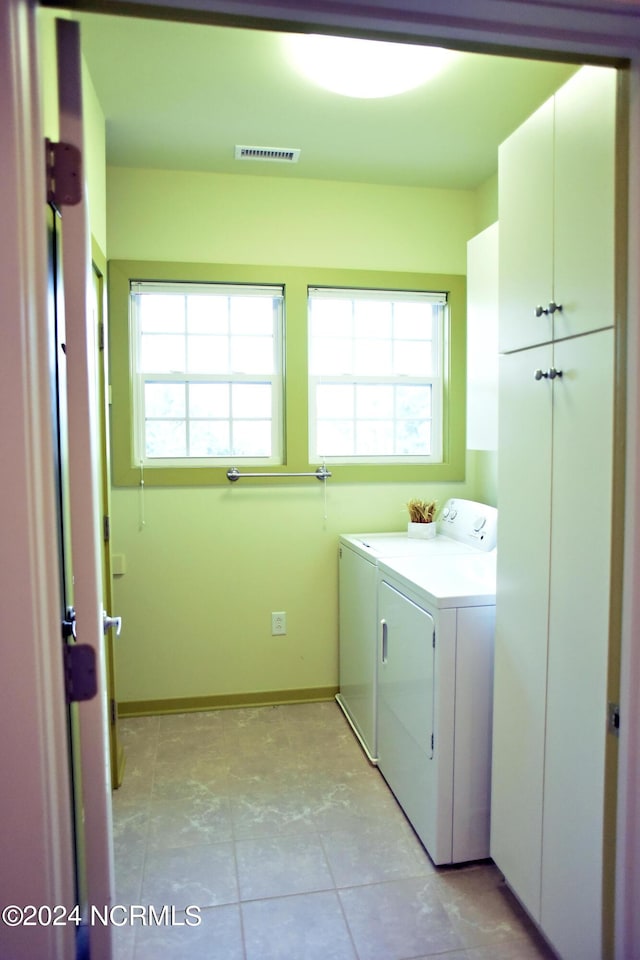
{"type": "Point", "coordinates": [181, 96]}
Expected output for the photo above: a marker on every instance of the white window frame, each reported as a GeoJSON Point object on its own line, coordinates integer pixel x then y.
{"type": "Point", "coordinates": [139, 378]}
{"type": "Point", "coordinates": [435, 379]}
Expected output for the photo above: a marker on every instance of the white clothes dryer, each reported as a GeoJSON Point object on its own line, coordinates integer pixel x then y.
{"type": "Point", "coordinates": [464, 526]}
{"type": "Point", "coordinates": [435, 685]}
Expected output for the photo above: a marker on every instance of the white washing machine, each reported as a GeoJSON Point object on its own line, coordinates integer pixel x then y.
{"type": "Point", "coordinates": [435, 685]}
{"type": "Point", "coordinates": [463, 526]}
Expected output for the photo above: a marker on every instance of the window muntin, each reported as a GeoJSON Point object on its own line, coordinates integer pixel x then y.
{"type": "Point", "coordinates": [375, 376]}
{"type": "Point", "coordinates": [207, 364]}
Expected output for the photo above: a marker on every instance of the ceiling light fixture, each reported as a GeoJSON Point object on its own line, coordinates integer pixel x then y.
{"type": "Point", "coordinates": [367, 69]}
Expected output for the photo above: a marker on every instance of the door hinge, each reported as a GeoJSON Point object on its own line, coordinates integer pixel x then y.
{"type": "Point", "coordinates": [106, 529]}
{"type": "Point", "coordinates": [64, 173]}
{"type": "Point", "coordinates": [113, 711]}
{"type": "Point", "coordinates": [101, 336]}
{"type": "Point", "coordinates": [80, 677]}
{"type": "Point", "coordinates": [432, 743]}
{"type": "Point", "coordinates": [613, 719]}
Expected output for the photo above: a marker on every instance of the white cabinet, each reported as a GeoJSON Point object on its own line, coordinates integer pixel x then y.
{"type": "Point", "coordinates": [555, 497]}
{"type": "Point", "coordinates": [556, 182]}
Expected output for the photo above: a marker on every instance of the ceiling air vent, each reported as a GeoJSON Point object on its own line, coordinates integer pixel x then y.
{"type": "Point", "coordinates": [277, 154]}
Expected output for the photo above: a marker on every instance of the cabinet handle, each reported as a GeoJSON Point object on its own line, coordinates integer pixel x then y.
{"type": "Point", "coordinates": [547, 311]}
{"type": "Point", "coordinates": [385, 641]}
{"type": "Point", "coordinates": [547, 374]}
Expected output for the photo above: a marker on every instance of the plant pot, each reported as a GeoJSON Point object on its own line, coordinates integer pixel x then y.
{"type": "Point", "coordinates": [421, 531]}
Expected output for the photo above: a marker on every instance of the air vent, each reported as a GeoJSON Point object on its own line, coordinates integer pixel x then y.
{"type": "Point", "coordinates": [273, 154]}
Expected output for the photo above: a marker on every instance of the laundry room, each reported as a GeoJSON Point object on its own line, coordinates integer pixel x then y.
{"type": "Point", "coordinates": [225, 569]}
{"type": "Point", "coordinates": [203, 566]}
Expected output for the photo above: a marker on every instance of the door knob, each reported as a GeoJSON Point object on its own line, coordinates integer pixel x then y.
{"type": "Point", "coordinates": [108, 623]}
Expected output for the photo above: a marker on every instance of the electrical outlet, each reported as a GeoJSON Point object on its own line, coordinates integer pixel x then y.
{"type": "Point", "coordinates": [278, 623]}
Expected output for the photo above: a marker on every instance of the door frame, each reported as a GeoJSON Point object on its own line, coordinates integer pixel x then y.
{"type": "Point", "coordinates": [36, 813]}
{"type": "Point", "coordinates": [39, 760]}
{"type": "Point", "coordinates": [606, 30]}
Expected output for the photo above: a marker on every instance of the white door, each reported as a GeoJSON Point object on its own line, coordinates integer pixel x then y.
{"type": "Point", "coordinates": [524, 470]}
{"type": "Point", "coordinates": [84, 500]}
{"type": "Point", "coordinates": [573, 843]}
{"type": "Point", "coordinates": [406, 714]}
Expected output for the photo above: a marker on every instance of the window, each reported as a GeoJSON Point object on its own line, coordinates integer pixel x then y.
{"type": "Point", "coordinates": [207, 361]}
{"type": "Point", "coordinates": [375, 376]}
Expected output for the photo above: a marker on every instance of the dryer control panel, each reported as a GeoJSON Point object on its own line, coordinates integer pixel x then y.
{"type": "Point", "coordinates": [475, 524]}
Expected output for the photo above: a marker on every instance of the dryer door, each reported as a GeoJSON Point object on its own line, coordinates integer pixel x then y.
{"type": "Point", "coordinates": [406, 699]}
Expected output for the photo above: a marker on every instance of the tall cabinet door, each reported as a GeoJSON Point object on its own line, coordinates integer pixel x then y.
{"type": "Point", "coordinates": [584, 184]}
{"type": "Point", "coordinates": [525, 198]}
{"type": "Point", "coordinates": [524, 472]}
{"type": "Point", "coordinates": [572, 848]}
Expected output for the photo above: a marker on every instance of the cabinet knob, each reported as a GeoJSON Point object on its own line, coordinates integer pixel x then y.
{"type": "Point", "coordinates": [548, 311]}
{"type": "Point", "coordinates": [547, 374]}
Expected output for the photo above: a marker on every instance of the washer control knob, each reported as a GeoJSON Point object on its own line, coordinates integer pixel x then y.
{"type": "Point", "coordinates": [479, 523]}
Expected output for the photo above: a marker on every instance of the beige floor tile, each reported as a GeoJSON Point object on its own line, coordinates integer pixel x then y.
{"type": "Point", "coordinates": [306, 927]}
{"type": "Point", "coordinates": [279, 866]}
{"type": "Point", "coordinates": [218, 937]}
{"type": "Point", "coordinates": [202, 876]}
{"type": "Point", "coordinates": [397, 920]}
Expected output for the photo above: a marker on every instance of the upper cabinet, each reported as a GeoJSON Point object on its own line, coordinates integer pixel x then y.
{"type": "Point", "coordinates": [556, 182]}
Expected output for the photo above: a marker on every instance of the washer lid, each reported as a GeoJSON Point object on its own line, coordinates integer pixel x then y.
{"type": "Point", "coordinates": [466, 580]}
{"type": "Point", "coordinates": [376, 545]}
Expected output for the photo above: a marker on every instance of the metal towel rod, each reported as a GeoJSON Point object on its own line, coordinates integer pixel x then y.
{"type": "Point", "coordinates": [321, 473]}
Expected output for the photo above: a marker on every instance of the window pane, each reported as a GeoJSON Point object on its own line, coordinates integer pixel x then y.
{"type": "Point", "coordinates": [251, 400]}
{"type": "Point", "coordinates": [331, 318]}
{"type": "Point", "coordinates": [412, 321]}
{"type": "Point", "coordinates": [209, 438]}
{"type": "Point", "coordinates": [373, 358]}
{"type": "Point", "coordinates": [334, 401]}
{"type": "Point", "coordinates": [413, 437]}
{"type": "Point", "coordinates": [164, 400]}
{"type": "Point", "coordinates": [209, 400]}
{"type": "Point", "coordinates": [374, 438]}
{"type": "Point", "coordinates": [208, 354]}
{"type": "Point", "coordinates": [413, 402]}
{"type": "Point", "coordinates": [162, 354]}
{"type": "Point", "coordinates": [207, 314]}
{"type": "Point", "coordinates": [413, 358]}
{"type": "Point", "coordinates": [374, 402]}
{"type": "Point", "coordinates": [372, 318]}
{"type": "Point", "coordinates": [332, 356]}
{"type": "Point", "coordinates": [166, 438]}
{"type": "Point", "coordinates": [161, 313]}
{"type": "Point", "coordinates": [252, 438]}
{"type": "Point", "coordinates": [335, 438]}
{"type": "Point", "coordinates": [252, 354]}
{"type": "Point", "coordinates": [252, 315]}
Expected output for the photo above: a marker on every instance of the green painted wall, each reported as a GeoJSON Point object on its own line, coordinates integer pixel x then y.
{"type": "Point", "coordinates": [208, 565]}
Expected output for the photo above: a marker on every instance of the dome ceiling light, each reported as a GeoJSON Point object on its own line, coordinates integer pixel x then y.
{"type": "Point", "coordinates": [366, 69]}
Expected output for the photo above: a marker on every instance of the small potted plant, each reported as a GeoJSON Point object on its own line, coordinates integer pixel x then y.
{"type": "Point", "coordinates": [422, 519]}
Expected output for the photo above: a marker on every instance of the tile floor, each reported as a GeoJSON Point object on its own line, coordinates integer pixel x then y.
{"type": "Point", "coordinates": [274, 824]}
